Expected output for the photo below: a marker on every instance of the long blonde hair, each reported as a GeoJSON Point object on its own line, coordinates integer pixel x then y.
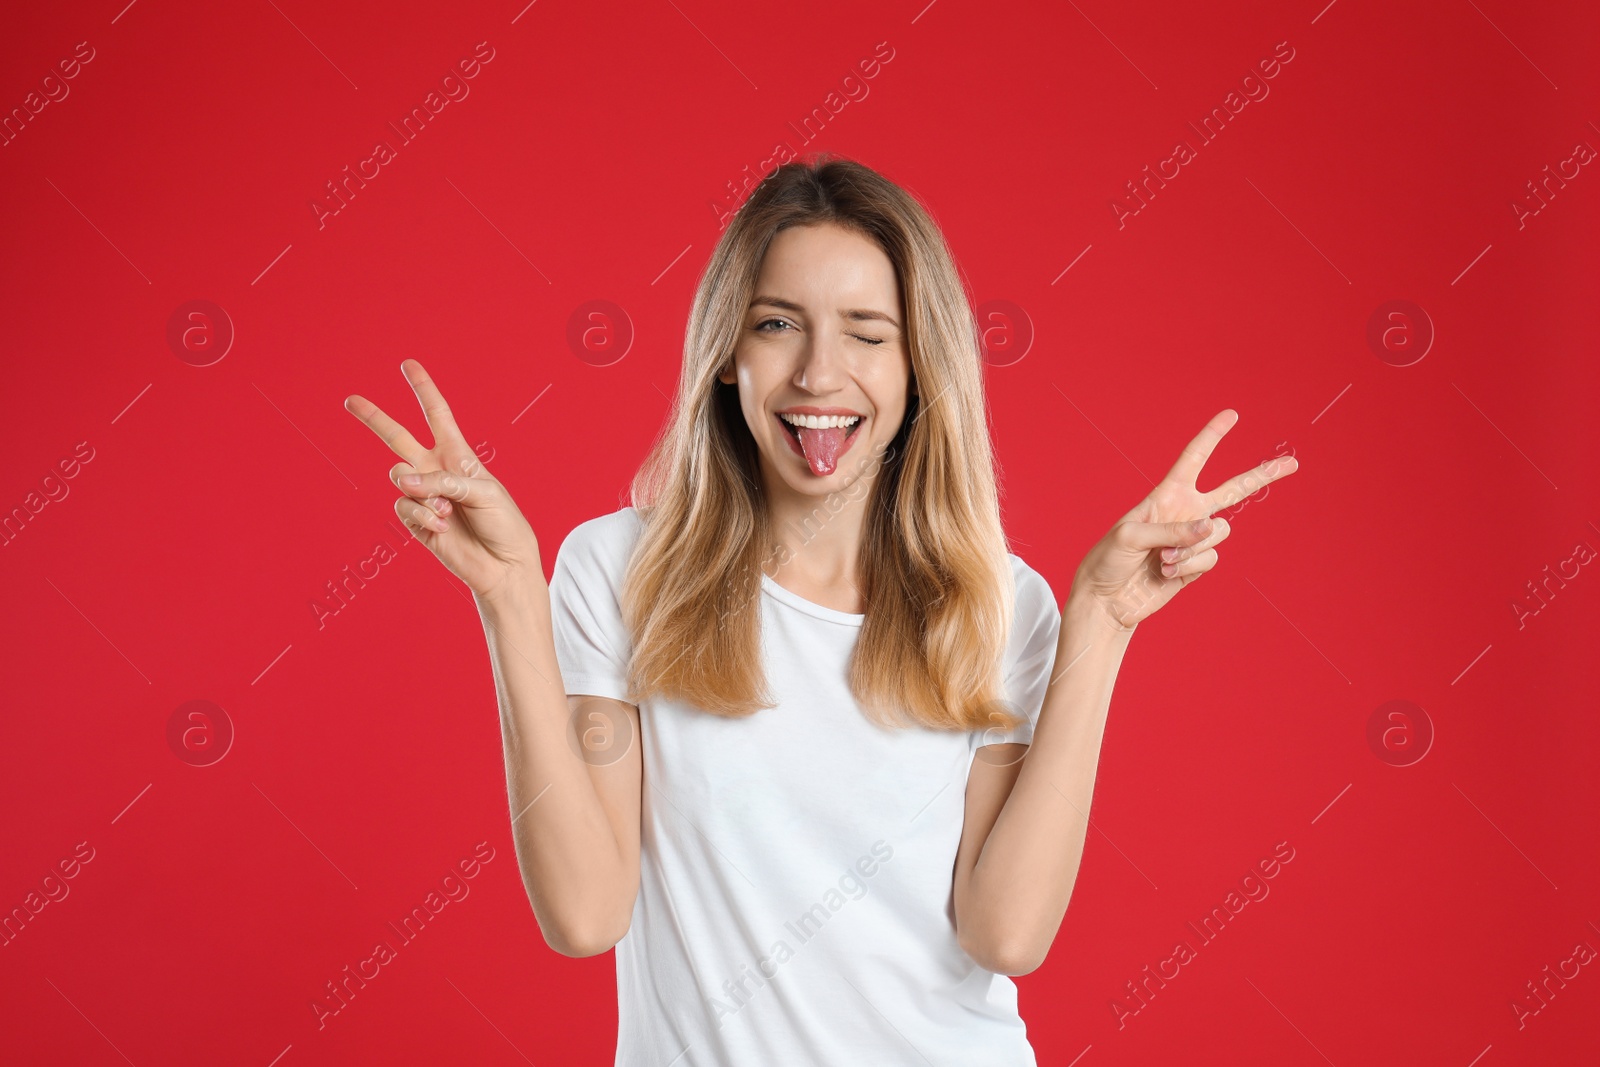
{"type": "Point", "coordinates": [937, 580]}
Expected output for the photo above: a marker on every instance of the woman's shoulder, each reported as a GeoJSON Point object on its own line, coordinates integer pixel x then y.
{"type": "Point", "coordinates": [602, 543]}
{"type": "Point", "coordinates": [621, 525]}
{"type": "Point", "coordinates": [1034, 595]}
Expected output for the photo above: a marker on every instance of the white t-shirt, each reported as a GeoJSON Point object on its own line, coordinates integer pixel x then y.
{"type": "Point", "coordinates": [795, 897]}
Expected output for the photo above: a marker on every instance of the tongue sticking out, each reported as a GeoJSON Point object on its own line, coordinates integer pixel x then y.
{"type": "Point", "coordinates": [822, 447]}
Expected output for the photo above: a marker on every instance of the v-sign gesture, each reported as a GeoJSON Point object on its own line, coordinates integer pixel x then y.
{"type": "Point", "coordinates": [1169, 539]}
{"type": "Point", "coordinates": [486, 541]}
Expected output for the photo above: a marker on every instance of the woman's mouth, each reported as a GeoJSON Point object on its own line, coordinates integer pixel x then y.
{"type": "Point", "coordinates": [820, 439]}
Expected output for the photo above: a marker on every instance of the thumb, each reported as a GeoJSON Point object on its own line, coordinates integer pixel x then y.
{"type": "Point", "coordinates": [1144, 536]}
{"type": "Point", "coordinates": [471, 492]}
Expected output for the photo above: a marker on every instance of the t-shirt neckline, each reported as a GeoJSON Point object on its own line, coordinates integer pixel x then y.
{"type": "Point", "coordinates": [800, 603]}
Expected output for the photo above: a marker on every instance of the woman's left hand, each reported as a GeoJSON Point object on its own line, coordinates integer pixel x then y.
{"type": "Point", "coordinates": [1170, 539]}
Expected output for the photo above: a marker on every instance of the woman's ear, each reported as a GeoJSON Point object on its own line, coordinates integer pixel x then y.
{"type": "Point", "coordinates": [726, 375]}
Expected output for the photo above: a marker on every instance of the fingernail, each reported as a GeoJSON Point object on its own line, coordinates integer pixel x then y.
{"type": "Point", "coordinates": [1200, 525]}
{"type": "Point", "coordinates": [411, 480]}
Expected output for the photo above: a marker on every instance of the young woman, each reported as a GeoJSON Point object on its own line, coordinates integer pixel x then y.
{"type": "Point", "coordinates": [794, 731]}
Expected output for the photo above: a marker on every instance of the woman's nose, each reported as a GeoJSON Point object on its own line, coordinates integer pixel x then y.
{"type": "Point", "coordinates": [823, 365]}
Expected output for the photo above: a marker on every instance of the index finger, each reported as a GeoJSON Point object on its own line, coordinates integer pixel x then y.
{"type": "Point", "coordinates": [1187, 470]}
{"type": "Point", "coordinates": [397, 437]}
{"type": "Point", "coordinates": [1251, 481]}
{"type": "Point", "coordinates": [434, 409]}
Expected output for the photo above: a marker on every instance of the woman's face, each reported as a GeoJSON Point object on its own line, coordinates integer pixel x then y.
{"type": "Point", "coordinates": [823, 336]}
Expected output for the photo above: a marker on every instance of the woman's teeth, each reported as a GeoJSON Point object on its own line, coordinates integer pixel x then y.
{"type": "Point", "coordinates": [820, 422]}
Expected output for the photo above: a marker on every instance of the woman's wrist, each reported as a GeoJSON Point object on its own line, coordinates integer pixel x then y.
{"type": "Point", "coordinates": [1087, 610]}
{"type": "Point", "coordinates": [520, 589]}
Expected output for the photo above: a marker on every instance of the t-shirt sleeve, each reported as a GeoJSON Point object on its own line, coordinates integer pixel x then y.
{"type": "Point", "coordinates": [592, 642]}
{"type": "Point", "coordinates": [1035, 629]}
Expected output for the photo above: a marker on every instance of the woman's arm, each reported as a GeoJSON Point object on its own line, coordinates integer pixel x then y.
{"type": "Point", "coordinates": [575, 822]}
{"type": "Point", "coordinates": [1028, 805]}
{"type": "Point", "coordinates": [1024, 835]}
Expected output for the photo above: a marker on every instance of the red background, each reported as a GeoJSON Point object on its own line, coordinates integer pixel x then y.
{"type": "Point", "coordinates": [585, 165]}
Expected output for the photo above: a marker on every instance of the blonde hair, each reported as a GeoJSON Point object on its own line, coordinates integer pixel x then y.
{"type": "Point", "coordinates": [937, 579]}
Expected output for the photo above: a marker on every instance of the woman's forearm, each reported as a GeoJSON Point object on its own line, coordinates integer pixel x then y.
{"type": "Point", "coordinates": [566, 847]}
{"type": "Point", "coordinates": [1024, 875]}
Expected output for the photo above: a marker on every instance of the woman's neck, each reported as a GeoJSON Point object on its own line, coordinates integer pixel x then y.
{"type": "Point", "coordinates": [816, 547]}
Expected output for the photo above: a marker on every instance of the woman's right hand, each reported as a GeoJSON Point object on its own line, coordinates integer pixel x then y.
{"type": "Point", "coordinates": [457, 508]}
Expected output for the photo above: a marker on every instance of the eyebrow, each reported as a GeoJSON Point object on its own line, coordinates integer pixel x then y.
{"type": "Point", "coordinates": [856, 314]}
